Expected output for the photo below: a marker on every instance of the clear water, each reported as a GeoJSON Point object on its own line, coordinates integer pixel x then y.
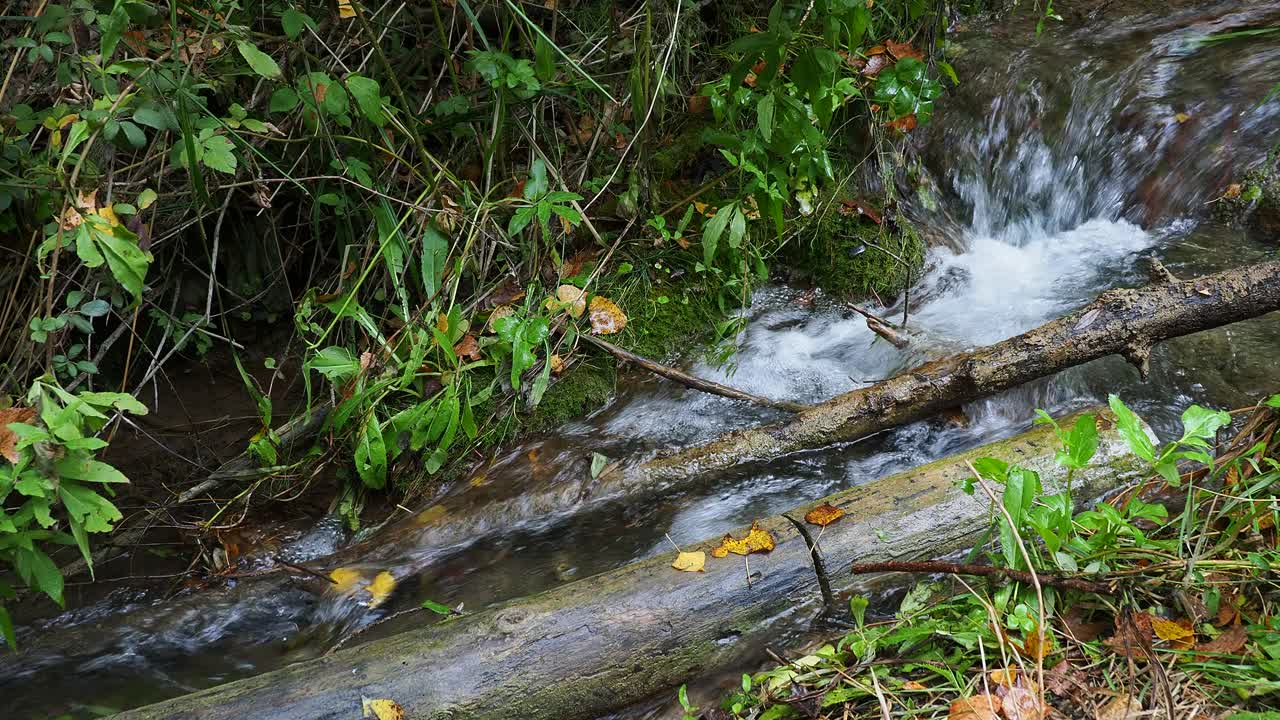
{"type": "Point", "coordinates": [1053, 178]}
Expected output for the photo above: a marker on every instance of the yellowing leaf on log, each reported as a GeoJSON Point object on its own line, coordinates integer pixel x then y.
{"type": "Point", "coordinates": [691, 561]}
{"type": "Point", "coordinates": [756, 540]}
{"type": "Point", "coordinates": [431, 515]}
{"type": "Point", "coordinates": [824, 515]}
{"type": "Point", "coordinates": [575, 299]}
{"type": "Point", "coordinates": [382, 709]}
{"type": "Point", "coordinates": [346, 11]}
{"type": "Point", "coordinates": [345, 579]}
{"type": "Point", "coordinates": [1180, 634]}
{"type": "Point", "coordinates": [978, 707]}
{"type": "Point", "coordinates": [606, 317]}
{"type": "Point", "coordinates": [8, 440]}
{"type": "Point", "coordinates": [381, 588]}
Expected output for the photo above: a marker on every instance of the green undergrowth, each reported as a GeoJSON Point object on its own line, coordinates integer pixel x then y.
{"type": "Point", "coordinates": [855, 258]}
{"type": "Point", "coordinates": [1181, 617]}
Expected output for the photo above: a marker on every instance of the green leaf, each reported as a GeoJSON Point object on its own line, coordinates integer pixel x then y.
{"type": "Point", "coordinates": [294, 20]}
{"type": "Point", "coordinates": [283, 100]}
{"type": "Point", "coordinates": [6, 629]}
{"type": "Point", "coordinates": [335, 363]}
{"type": "Point", "coordinates": [737, 228]}
{"type": "Point", "coordinates": [219, 154]}
{"type": "Point", "coordinates": [40, 572]}
{"type": "Point", "coordinates": [133, 134]}
{"type": "Point", "coordinates": [435, 250]}
{"type": "Point", "coordinates": [154, 116]}
{"type": "Point", "coordinates": [146, 198]}
{"type": "Point", "coordinates": [436, 607]}
{"type": "Point", "coordinates": [127, 261]}
{"type": "Point", "coordinates": [764, 117]}
{"type": "Point", "coordinates": [712, 232]}
{"type": "Point", "coordinates": [371, 455]}
{"type": "Point", "coordinates": [1131, 429]}
{"type": "Point", "coordinates": [544, 60]}
{"type": "Point", "coordinates": [1082, 442]}
{"type": "Point", "coordinates": [95, 308]}
{"type": "Point", "coordinates": [261, 62]}
{"type": "Point", "coordinates": [1201, 423]}
{"type": "Point", "coordinates": [368, 95]}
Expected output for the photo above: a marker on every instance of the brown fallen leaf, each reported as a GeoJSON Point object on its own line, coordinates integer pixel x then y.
{"type": "Point", "coordinates": [1180, 634]}
{"type": "Point", "coordinates": [606, 317]}
{"type": "Point", "coordinates": [903, 50]}
{"type": "Point", "coordinates": [576, 262]}
{"type": "Point", "coordinates": [1230, 642]}
{"type": "Point", "coordinates": [557, 364]}
{"type": "Point", "coordinates": [860, 207]}
{"type": "Point", "coordinates": [978, 707]}
{"type": "Point", "coordinates": [756, 540]}
{"type": "Point", "coordinates": [691, 561]}
{"type": "Point", "coordinates": [381, 708]}
{"type": "Point", "coordinates": [824, 514]}
{"type": "Point", "coordinates": [1080, 630]}
{"type": "Point", "coordinates": [699, 104]}
{"type": "Point", "coordinates": [1121, 707]}
{"type": "Point", "coordinates": [1065, 680]}
{"type": "Point", "coordinates": [498, 313]}
{"type": "Point", "coordinates": [467, 347]}
{"type": "Point", "coordinates": [906, 123]}
{"type": "Point", "coordinates": [9, 440]}
{"type": "Point", "coordinates": [1023, 703]}
{"type": "Point", "coordinates": [1133, 636]}
{"type": "Point", "coordinates": [1233, 191]}
{"type": "Point", "coordinates": [875, 64]}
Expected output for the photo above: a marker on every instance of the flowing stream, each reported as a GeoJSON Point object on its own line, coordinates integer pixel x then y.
{"type": "Point", "coordinates": [1057, 166]}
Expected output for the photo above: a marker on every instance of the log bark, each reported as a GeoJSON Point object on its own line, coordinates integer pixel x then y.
{"type": "Point", "coordinates": [1124, 322]}
{"type": "Point", "coordinates": [603, 643]}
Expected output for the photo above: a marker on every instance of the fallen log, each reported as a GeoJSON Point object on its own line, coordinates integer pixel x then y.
{"type": "Point", "coordinates": [602, 643]}
{"type": "Point", "coordinates": [1123, 321]}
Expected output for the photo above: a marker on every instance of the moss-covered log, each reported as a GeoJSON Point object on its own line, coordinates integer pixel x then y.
{"type": "Point", "coordinates": [1125, 322]}
{"type": "Point", "coordinates": [602, 643]}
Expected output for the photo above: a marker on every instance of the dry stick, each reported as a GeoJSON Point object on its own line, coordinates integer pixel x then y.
{"type": "Point", "coordinates": [819, 567]}
{"type": "Point", "coordinates": [950, 568]}
{"type": "Point", "coordinates": [882, 327]}
{"type": "Point", "coordinates": [689, 381]}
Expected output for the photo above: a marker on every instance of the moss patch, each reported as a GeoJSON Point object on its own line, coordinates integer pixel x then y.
{"type": "Point", "coordinates": [1254, 201]}
{"type": "Point", "coordinates": [584, 387]}
{"type": "Point", "coordinates": [852, 258]}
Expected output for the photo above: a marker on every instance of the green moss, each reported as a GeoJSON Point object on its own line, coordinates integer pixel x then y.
{"type": "Point", "coordinates": [584, 387]}
{"type": "Point", "coordinates": [853, 258]}
{"type": "Point", "coordinates": [1254, 201]}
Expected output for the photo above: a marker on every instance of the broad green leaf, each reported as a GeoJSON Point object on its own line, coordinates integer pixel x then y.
{"type": "Point", "coordinates": [1131, 429]}
{"type": "Point", "coordinates": [127, 261]}
{"type": "Point", "coordinates": [283, 100]}
{"type": "Point", "coordinates": [371, 455]}
{"type": "Point", "coordinates": [335, 363]}
{"type": "Point", "coordinates": [294, 20]}
{"type": "Point", "coordinates": [764, 117]}
{"type": "Point", "coordinates": [39, 571]}
{"type": "Point", "coordinates": [1082, 442]}
{"type": "Point", "coordinates": [436, 607]}
{"type": "Point", "coordinates": [435, 250]}
{"type": "Point", "coordinates": [1201, 423]}
{"type": "Point", "coordinates": [712, 231]}
{"type": "Point", "coordinates": [368, 95]}
{"type": "Point", "coordinates": [259, 61]}
{"type": "Point", "coordinates": [219, 154]}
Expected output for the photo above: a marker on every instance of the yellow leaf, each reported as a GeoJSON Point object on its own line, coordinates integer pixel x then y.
{"type": "Point", "coordinates": [1180, 634]}
{"type": "Point", "coordinates": [1033, 647]}
{"type": "Point", "coordinates": [757, 540]}
{"type": "Point", "coordinates": [382, 709]}
{"type": "Point", "coordinates": [431, 515]}
{"type": "Point", "coordinates": [346, 11]}
{"type": "Point", "coordinates": [690, 561]}
{"type": "Point", "coordinates": [606, 317]}
{"type": "Point", "coordinates": [557, 364]}
{"type": "Point", "coordinates": [67, 120]}
{"type": "Point", "coordinates": [108, 214]}
{"type": "Point", "coordinates": [345, 579]}
{"type": "Point", "coordinates": [824, 514]}
{"type": "Point", "coordinates": [1005, 677]}
{"type": "Point", "coordinates": [380, 589]}
{"type": "Point", "coordinates": [1181, 117]}
{"type": "Point", "coordinates": [574, 298]}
